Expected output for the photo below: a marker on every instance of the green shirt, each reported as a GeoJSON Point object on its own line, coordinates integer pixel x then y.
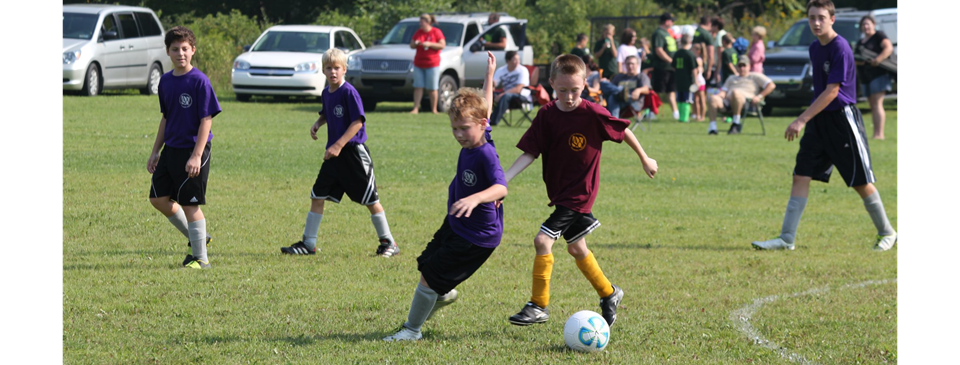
{"type": "Point", "coordinates": [703, 36]}
{"type": "Point", "coordinates": [684, 62]}
{"type": "Point", "coordinates": [579, 52]}
{"type": "Point", "coordinates": [607, 62]}
{"type": "Point", "coordinates": [728, 57]}
{"type": "Point", "coordinates": [496, 35]}
{"type": "Point", "coordinates": [662, 39]}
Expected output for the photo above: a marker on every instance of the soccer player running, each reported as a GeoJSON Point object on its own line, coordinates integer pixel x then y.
{"type": "Point", "coordinates": [834, 136]}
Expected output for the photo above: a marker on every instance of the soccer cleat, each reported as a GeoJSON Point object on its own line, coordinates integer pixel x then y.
{"type": "Point", "coordinates": [195, 263]}
{"type": "Point", "coordinates": [298, 248]}
{"type": "Point", "coordinates": [404, 334]}
{"type": "Point", "coordinates": [452, 296]}
{"type": "Point", "coordinates": [712, 132]}
{"type": "Point", "coordinates": [387, 249]}
{"type": "Point", "coordinates": [187, 260]}
{"type": "Point", "coordinates": [734, 129]}
{"type": "Point", "coordinates": [772, 244]}
{"type": "Point", "coordinates": [608, 305]}
{"type": "Point", "coordinates": [530, 314]}
{"type": "Point", "coordinates": [885, 242]}
{"type": "Point", "coordinates": [208, 241]}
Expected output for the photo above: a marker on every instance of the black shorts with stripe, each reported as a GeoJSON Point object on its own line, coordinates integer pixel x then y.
{"type": "Point", "coordinates": [351, 172]}
{"type": "Point", "coordinates": [572, 225]}
{"type": "Point", "coordinates": [450, 259]}
{"type": "Point", "coordinates": [836, 139]}
{"type": "Point", "coordinates": [170, 177]}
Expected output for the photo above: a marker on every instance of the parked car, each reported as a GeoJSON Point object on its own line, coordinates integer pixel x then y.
{"type": "Point", "coordinates": [788, 60]}
{"type": "Point", "coordinates": [384, 72]}
{"type": "Point", "coordinates": [112, 47]}
{"type": "Point", "coordinates": [286, 60]}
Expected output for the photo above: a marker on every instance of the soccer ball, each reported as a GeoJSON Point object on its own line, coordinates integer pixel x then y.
{"type": "Point", "coordinates": [586, 331]}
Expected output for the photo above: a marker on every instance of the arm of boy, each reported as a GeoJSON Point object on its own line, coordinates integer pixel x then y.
{"type": "Point", "coordinates": [827, 96]}
{"type": "Point", "coordinates": [335, 148]}
{"type": "Point", "coordinates": [488, 82]}
{"type": "Point", "coordinates": [193, 164]}
{"type": "Point", "coordinates": [518, 166]}
{"type": "Point", "coordinates": [649, 165]}
{"type": "Point", "coordinates": [316, 126]}
{"type": "Point", "coordinates": [157, 144]}
{"type": "Point", "coordinates": [464, 207]}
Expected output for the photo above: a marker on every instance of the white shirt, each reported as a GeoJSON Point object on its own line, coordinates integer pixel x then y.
{"type": "Point", "coordinates": [623, 52]}
{"type": "Point", "coordinates": [506, 79]}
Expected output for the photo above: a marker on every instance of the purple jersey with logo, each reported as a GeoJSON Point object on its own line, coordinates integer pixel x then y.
{"type": "Point", "coordinates": [341, 108]}
{"type": "Point", "coordinates": [184, 100]}
{"type": "Point", "coordinates": [834, 64]}
{"type": "Point", "coordinates": [477, 170]}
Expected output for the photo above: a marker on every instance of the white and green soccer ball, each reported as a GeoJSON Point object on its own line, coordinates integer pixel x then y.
{"type": "Point", "coordinates": [586, 331]}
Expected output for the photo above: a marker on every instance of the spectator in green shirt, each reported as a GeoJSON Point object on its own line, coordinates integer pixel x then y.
{"type": "Point", "coordinates": [703, 36]}
{"type": "Point", "coordinates": [497, 38]}
{"type": "Point", "coordinates": [664, 47]}
{"type": "Point", "coordinates": [605, 52]}
{"type": "Point", "coordinates": [728, 59]}
{"type": "Point", "coordinates": [580, 49]}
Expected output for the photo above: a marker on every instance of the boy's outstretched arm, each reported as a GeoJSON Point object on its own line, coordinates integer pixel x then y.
{"type": "Point", "coordinates": [488, 82]}
{"type": "Point", "coordinates": [465, 206]}
{"type": "Point", "coordinates": [157, 144]}
{"type": "Point", "coordinates": [519, 165]}
{"type": "Point", "coordinates": [649, 164]}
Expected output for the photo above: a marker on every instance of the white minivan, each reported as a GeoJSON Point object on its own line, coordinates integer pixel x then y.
{"type": "Point", "coordinates": [112, 47]}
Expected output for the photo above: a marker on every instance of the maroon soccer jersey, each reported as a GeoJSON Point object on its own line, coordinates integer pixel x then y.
{"type": "Point", "coordinates": [570, 143]}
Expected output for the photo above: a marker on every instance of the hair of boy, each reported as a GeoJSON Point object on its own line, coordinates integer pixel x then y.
{"type": "Point", "coordinates": [705, 20]}
{"type": "Point", "coordinates": [760, 31]}
{"type": "Point", "coordinates": [509, 55]}
{"type": "Point", "coordinates": [567, 64]}
{"type": "Point", "coordinates": [333, 57]}
{"type": "Point", "coordinates": [179, 34]}
{"type": "Point", "coordinates": [727, 39]}
{"type": "Point", "coordinates": [429, 18]}
{"type": "Point", "coordinates": [822, 4]}
{"type": "Point", "coordinates": [717, 22]}
{"type": "Point", "coordinates": [685, 40]}
{"type": "Point", "coordinates": [609, 27]}
{"type": "Point", "coordinates": [867, 17]}
{"type": "Point", "coordinates": [468, 105]}
{"type": "Point", "coordinates": [627, 35]}
{"type": "Point", "coordinates": [581, 37]}
{"type": "Point", "coordinates": [588, 60]}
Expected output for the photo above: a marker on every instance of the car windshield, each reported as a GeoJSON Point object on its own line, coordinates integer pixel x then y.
{"type": "Point", "coordinates": [403, 32]}
{"type": "Point", "coordinates": [306, 42]}
{"type": "Point", "coordinates": [800, 35]}
{"type": "Point", "coordinates": [79, 26]}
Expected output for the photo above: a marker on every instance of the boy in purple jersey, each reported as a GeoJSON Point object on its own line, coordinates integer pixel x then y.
{"type": "Point", "coordinates": [474, 223]}
{"type": "Point", "coordinates": [834, 136]}
{"type": "Point", "coordinates": [347, 166]}
{"type": "Point", "coordinates": [569, 132]}
{"type": "Point", "coordinates": [179, 183]}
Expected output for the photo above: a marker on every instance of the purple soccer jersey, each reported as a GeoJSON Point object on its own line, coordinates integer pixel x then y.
{"type": "Point", "coordinates": [477, 170]}
{"type": "Point", "coordinates": [341, 108]}
{"type": "Point", "coordinates": [833, 64]}
{"type": "Point", "coordinates": [184, 100]}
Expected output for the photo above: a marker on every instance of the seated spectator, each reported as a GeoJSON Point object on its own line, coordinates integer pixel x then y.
{"type": "Point", "coordinates": [632, 84]}
{"type": "Point", "coordinates": [595, 83]}
{"type": "Point", "coordinates": [735, 93]}
{"type": "Point", "coordinates": [512, 78]}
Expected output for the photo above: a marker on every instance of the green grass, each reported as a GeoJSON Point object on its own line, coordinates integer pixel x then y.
{"type": "Point", "coordinates": [679, 245]}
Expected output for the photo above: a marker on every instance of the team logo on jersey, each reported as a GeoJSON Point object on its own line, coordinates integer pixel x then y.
{"type": "Point", "coordinates": [469, 178]}
{"type": "Point", "coordinates": [338, 111]}
{"type": "Point", "coordinates": [577, 142]}
{"type": "Point", "coordinates": [185, 100]}
{"type": "Point", "coordinates": [826, 66]}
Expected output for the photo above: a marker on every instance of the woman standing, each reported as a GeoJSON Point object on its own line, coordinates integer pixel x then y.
{"type": "Point", "coordinates": [428, 41]}
{"type": "Point", "coordinates": [875, 79]}
{"type": "Point", "coordinates": [627, 48]}
{"type": "Point", "coordinates": [757, 50]}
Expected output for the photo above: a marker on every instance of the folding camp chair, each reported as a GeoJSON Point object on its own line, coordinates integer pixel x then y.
{"type": "Point", "coordinates": [526, 103]}
{"type": "Point", "coordinates": [752, 109]}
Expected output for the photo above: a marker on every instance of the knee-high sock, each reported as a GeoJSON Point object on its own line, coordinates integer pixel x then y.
{"type": "Point", "coordinates": [542, 268]}
{"type": "Point", "coordinates": [879, 216]}
{"type": "Point", "coordinates": [311, 228]}
{"type": "Point", "coordinates": [424, 299]}
{"type": "Point", "coordinates": [791, 219]}
{"type": "Point", "coordinates": [198, 239]}
{"type": "Point", "coordinates": [591, 270]}
{"type": "Point", "coordinates": [179, 220]}
{"type": "Point", "coordinates": [383, 228]}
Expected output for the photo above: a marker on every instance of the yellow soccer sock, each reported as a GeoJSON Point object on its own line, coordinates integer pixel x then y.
{"type": "Point", "coordinates": [591, 270]}
{"type": "Point", "coordinates": [542, 268]}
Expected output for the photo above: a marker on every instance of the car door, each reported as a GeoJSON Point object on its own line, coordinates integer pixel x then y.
{"type": "Point", "coordinates": [151, 43]}
{"type": "Point", "coordinates": [475, 57]}
{"type": "Point", "coordinates": [352, 40]}
{"type": "Point", "coordinates": [136, 49]}
{"type": "Point", "coordinates": [114, 60]}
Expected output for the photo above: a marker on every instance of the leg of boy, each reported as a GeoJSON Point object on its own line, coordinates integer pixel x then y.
{"type": "Point", "coordinates": [197, 227]}
{"type": "Point", "coordinates": [542, 270]}
{"type": "Point", "coordinates": [589, 267]}
{"type": "Point", "coordinates": [388, 247]}
{"type": "Point", "coordinates": [172, 211]}
{"type": "Point", "coordinates": [886, 236]}
{"type": "Point", "coordinates": [312, 226]}
{"type": "Point", "coordinates": [424, 298]}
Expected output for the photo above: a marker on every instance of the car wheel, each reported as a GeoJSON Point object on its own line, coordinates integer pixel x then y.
{"type": "Point", "coordinates": [243, 97]}
{"type": "Point", "coordinates": [153, 80]}
{"type": "Point", "coordinates": [447, 90]}
{"type": "Point", "coordinates": [369, 105]}
{"type": "Point", "coordinates": [91, 82]}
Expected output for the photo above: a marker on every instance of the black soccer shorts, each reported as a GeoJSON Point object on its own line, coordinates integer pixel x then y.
{"type": "Point", "coordinates": [350, 172]}
{"type": "Point", "coordinates": [663, 81]}
{"type": "Point", "coordinates": [835, 139]}
{"type": "Point", "coordinates": [170, 178]}
{"type": "Point", "coordinates": [569, 223]}
{"type": "Point", "coordinates": [450, 259]}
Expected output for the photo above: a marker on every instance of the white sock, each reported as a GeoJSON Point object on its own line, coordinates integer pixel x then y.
{"type": "Point", "coordinates": [713, 125]}
{"type": "Point", "coordinates": [310, 229]}
{"type": "Point", "coordinates": [179, 220]}
{"type": "Point", "coordinates": [383, 228]}
{"type": "Point", "coordinates": [198, 239]}
{"type": "Point", "coordinates": [736, 119]}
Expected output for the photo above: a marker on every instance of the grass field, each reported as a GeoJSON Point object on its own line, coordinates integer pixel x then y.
{"type": "Point", "coordinates": [679, 246]}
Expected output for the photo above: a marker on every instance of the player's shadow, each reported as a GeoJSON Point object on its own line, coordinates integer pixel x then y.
{"type": "Point", "coordinates": [648, 246]}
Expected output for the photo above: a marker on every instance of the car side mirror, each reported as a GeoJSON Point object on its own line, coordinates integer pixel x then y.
{"type": "Point", "coordinates": [246, 48]}
{"type": "Point", "coordinates": [476, 47]}
{"type": "Point", "coordinates": [110, 35]}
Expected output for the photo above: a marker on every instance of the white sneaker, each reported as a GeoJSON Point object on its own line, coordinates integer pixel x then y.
{"type": "Point", "coordinates": [885, 242]}
{"type": "Point", "coordinates": [774, 244]}
{"type": "Point", "coordinates": [404, 334]}
{"type": "Point", "coordinates": [451, 297]}
{"type": "Point", "coordinates": [676, 115]}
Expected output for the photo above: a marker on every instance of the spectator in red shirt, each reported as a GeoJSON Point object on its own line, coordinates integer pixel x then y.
{"type": "Point", "coordinates": [428, 41]}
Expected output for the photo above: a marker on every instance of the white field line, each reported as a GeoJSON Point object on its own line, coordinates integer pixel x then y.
{"type": "Point", "coordinates": [741, 317]}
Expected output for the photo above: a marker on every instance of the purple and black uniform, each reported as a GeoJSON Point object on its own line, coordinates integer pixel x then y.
{"type": "Point", "coordinates": [463, 244]}
{"type": "Point", "coordinates": [184, 101]}
{"type": "Point", "coordinates": [352, 171]}
{"type": "Point", "coordinates": [835, 136]}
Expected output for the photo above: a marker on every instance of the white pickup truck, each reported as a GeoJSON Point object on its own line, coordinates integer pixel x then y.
{"type": "Point", "coordinates": [384, 72]}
